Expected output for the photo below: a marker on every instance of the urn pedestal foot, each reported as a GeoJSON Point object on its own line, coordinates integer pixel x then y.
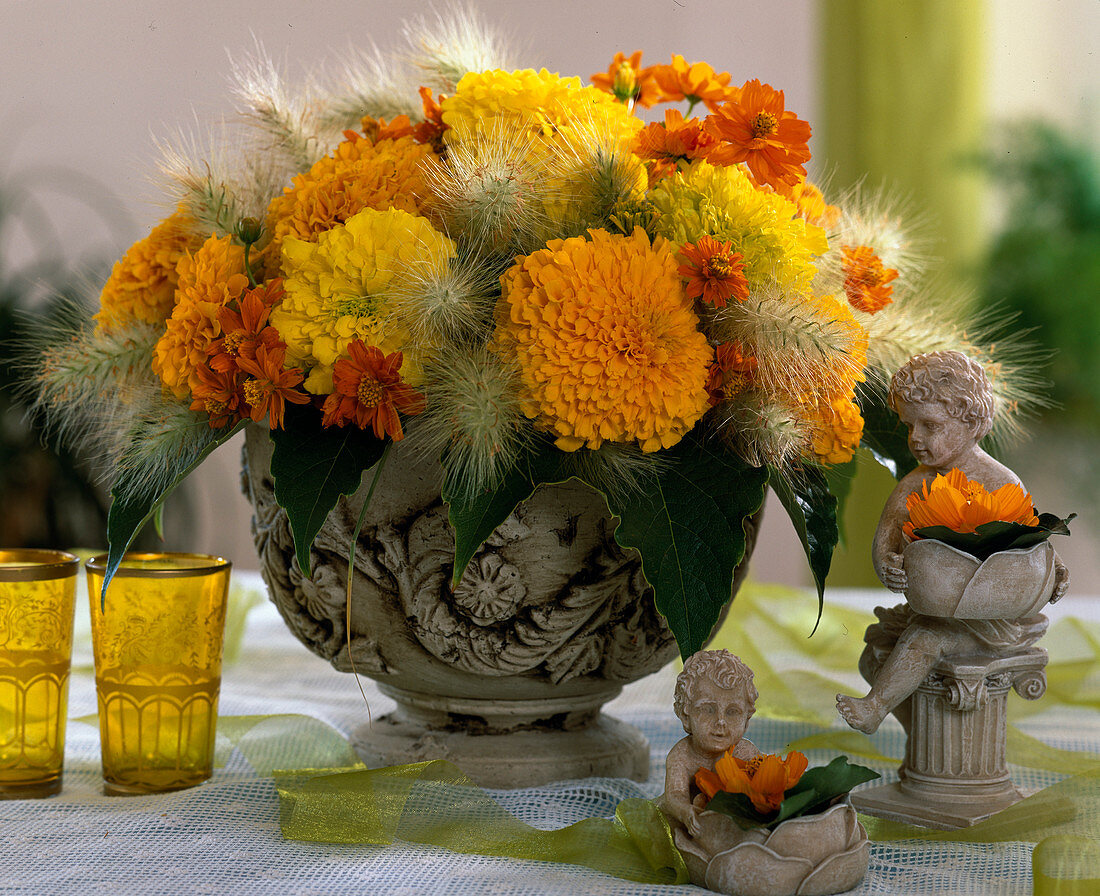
{"type": "Point", "coordinates": [506, 743]}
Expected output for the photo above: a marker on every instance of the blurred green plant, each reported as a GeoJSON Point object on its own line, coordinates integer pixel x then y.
{"type": "Point", "coordinates": [50, 497]}
{"type": "Point", "coordinates": [1044, 263]}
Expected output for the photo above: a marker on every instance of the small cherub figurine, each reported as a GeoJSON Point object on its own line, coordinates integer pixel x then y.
{"type": "Point", "coordinates": [714, 700]}
{"type": "Point", "coordinates": [946, 401]}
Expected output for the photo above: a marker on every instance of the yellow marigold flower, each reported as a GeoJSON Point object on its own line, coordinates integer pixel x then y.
{"type": "Point", "coordinates": [209, 279]}
{"type": "Point", "coordinates": [359, 174]}
{"type": "Point", "coordinates": [606, 341]}
{"type": "Point", "coordinates": [348, 284]}
{"type": "Point", "coordinates": [142, 285]}
{"type": "Point", "coordinates": [546, 106]}
{"type": "Point", "coordinates": [836, 427]}
{"type": "Point", "coordinates": [776, 244]}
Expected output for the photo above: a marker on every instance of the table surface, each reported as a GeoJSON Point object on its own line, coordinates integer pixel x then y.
{"type": "Point", "coordinates": [224, 836]}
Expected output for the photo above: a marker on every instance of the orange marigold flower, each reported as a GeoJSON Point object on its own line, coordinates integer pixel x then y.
{"type": "Point", "coordinates": [628, 81]}
{"type": "Point", "coordinates": [695, 83]}
{"type": "Point", "coordinates": [867, 279]}
{"type": "Point", "coordinates": [962, 505]}
{"type": "Point", "coordinates": [268, 386]}
{"type": "Point", "coordinates": [607, 343]}
{"type": "Point", "coordinates": [836, 426]}
{"type": "Point", "coordinates": [369, 392]}
{"type": "Point", "coordinates": [217, 393]}
{"type": "Point", "coordinates": [430, 131]}
{"type": "Point", "coordinates": [713, 271]}
{"type": "Point", "coordinates": [208, 280]}
{"type": "Point", "coordinates": [359, 174]}
{"type": "Point", "coordinates": [672, 142]}
{"type": "Point", "coordinates": [756, 129]}
{"type": "Point", "coordinates": [764, 779]}
{"type": "Point", "coordinates": [142, 285]}
{"type": "Point", "coordinates": [731, 373]}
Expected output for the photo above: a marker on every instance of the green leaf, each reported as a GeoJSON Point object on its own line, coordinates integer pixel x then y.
{"type": "Point", "coordinates": [826, 782]}
{"type": "Point", "coordinates": [312, 467]}
{"type": "Point", "coordinates": [998, 535]}
{"type": "Point", "coordinates": [474, 517]}
{"type": "Point", "coordinates": [813, 511]}
{"type": "Point", "coordinates": [131, 510]}
{"type": "Point", "coordinates": [840, 478]}
{"type": "Point", "coordinates": [738, 807]}
{"type": "Point", "coordinates": [884, 435]}
{"type": "Point", "coordinates": [689, 528]}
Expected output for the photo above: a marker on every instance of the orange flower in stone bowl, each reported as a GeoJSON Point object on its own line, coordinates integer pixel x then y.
{"type": "Point", "coordinates": [763, 779]}
{"type": "Point", "coordinates": [962, 506]}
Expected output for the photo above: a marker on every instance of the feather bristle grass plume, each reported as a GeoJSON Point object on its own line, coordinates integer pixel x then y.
{"type": "Point", "coordinates": [885, 223]}
{"type": "Point", "coordinates": [210, 180]}
{"type": "Point", "coordinates": [617, 471]}
{"type": "Point", "coordinates": [368, 83]}
{"type": "Point", "coordinates": [453, 304]}
{"type": "Point", "coordinates": [446, 46]}
{"type": "Point", "coordinates": [492, 192]}
{"type": "Point", "coordinates": [763, 432]}
{"type": "Point", "coordinates": [285, 117]}
{"type": "Point", "coordinates": [799, 344]}
{"type": "Point", "coordinates": [943, 320]}
{"type": "Point", "coordinates": [473, 419]}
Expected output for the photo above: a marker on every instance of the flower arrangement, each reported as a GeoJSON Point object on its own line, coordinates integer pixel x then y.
{"type": "Point", "coordinates": [962, 513]}
{"type": "Point", "coordinates": [522, 275]}
{"type": "Point", "coordinates": [766, 790]}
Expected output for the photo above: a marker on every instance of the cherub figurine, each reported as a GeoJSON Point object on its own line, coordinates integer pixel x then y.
{"type": "Point", "coordinates": [714, 700]}
{"type": "Point", "coordinates": [946, 401]}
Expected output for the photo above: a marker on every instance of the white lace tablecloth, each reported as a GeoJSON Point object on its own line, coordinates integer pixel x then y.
{"type": "Point", "coordinates": [223, 837]}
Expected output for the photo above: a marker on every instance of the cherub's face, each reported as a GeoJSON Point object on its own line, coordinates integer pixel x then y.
{"type": "Point", "coordinates": [936, 439]}
{"type": "Point", "coordinates": [718, 717]}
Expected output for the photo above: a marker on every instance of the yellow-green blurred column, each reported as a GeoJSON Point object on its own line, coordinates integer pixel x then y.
{"type": "Point", "coordinates": [903, 102]}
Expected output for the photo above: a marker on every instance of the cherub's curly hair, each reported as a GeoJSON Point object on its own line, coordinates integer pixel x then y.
{"type": "Point", "coordinates": [719, 666]}
{"type": "Point", "coordinates": [951, 378]}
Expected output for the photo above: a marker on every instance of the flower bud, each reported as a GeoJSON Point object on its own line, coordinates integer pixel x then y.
{"type": "Point", "coordinates": [249, 230]}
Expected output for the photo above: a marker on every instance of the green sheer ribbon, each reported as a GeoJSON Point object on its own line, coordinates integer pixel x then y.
{"type": "Point", "coordinates": [332, 798]}
{"type": "Point", "coordinates": [434, 803]}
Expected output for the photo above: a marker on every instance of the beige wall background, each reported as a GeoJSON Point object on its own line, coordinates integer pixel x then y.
{"type": "Point", "coordinates": [88, 86]}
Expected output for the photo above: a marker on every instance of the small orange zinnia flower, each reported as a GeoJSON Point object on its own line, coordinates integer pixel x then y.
{"type": "Point", "coordinates": [369, 392]}
{"type": "Point", "coordinates": [269, 385]}
{"type": "Point", "coordinates": [217, 394]}
{"type": "Point", "coordinates": [628, 81]}
{"type": "Point", "coordinates": [246, 328]}
{"type": "Point", "coordinates": [764, 779]}
{"type": "Point", "coordinates": [714, 272]}
{"type": "Point", "coordinates": [811, 203]}
{"type": "Point", "coordinates": [695, 83]}
{"type": "Point", "coordinates": [757, 129]}
{"type": "Point", "coordinates": [867, 279]}
{"type": "Point", "coordinates": [962, 505]}
{"type": "Point", "coordinates": [731, 372]}
{"type": "Point", "coordinates": [378, 129]}
{"type": "Point", "coordinates": [674, 141]}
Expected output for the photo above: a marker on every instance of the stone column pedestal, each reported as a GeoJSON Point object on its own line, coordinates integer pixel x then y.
{"type": "Point", "coordinates": [956, 772]}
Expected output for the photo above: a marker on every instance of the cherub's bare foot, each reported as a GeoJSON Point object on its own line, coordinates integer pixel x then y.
{"type": "Point", "coordinates": [862, 713]}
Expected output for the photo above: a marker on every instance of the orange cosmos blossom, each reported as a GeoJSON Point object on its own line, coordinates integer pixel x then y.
{"type": "Point", "coordinates": [628, 81]}
{"type": "Point", "coordinates": [755, 128]}
{"type": "Point", "coordinates": [961, 505]}
{"type": "Point", "coordinates": [268, 385]}
{"type": "Point", "coordinates": [695, 83]}
{"type": "Point", "coordinates": [673, 141]}
{"type": "Point", "coordinates": [714, 272]}
{"type": "Point", "coordinates": [867, 279]}
{"type": "Point", "coordinates": [764, 779]}
{"type": "Point", "coordinates": [369, 392]}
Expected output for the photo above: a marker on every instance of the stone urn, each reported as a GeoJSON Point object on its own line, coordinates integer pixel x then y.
{"type": "Point", "coordinates": [505, 674]}
{"type": "Point", "coordinates": [812, 855]}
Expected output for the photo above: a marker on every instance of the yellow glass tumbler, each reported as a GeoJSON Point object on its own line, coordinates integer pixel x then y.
{"type": "Point", "coordinates": [157, 642]}
{"type": "Point", "coordinates": [37, 596]}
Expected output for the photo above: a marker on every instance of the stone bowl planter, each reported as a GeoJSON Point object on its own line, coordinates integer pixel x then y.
{"type": "Point", "coordinates": [505, 674]}
{"type": "Point", "coordinates": [813, 855]}
{"type": "Point", "coordinates": [944, 581]}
